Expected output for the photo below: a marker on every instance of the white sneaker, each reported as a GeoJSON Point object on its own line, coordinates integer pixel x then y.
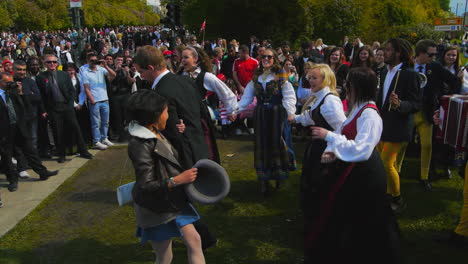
{"type": "Point", "coordinates": [14, 161]}
{"type": "Point", "coordinates": [100, 146]}
{"type": "Point", "coordinates": [252, 131]}
{"type": "Point", "coordinates": [107, 142]}
{"type": "Point", "coordinates": [24, 175]}
{"type": "Point", "coordinates": [237, 132]}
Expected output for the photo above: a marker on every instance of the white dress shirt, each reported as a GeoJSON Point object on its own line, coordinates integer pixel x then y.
{"type": "Point", "coordinates": [331, 110]}
{"type": "Point", "coordinates": [289, 96]}
{"type": "Point", "coordinates": [213, 84]}
{"type": "Point", "coordinates": [369, 129]}
{"type": "Point", "coordinates": [388, 80]}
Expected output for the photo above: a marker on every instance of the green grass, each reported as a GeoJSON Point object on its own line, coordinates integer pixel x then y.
{"type": "Point", "coordinates": [81, 222]}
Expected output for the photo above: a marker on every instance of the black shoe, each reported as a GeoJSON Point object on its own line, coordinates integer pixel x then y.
{"type": "Point", "coordinates": [46, 174]}
{"type": "Point", "coordinates": [62, 160]}
{"type": "Point", "coordinates": [45, 155]}
{"type": "Point", "coordinates": [13, 186]}
{"type": "Point", "coordinates": [86, 155]}
{"type": "Point", "coordinates": [397, 204]}
{"type": "Point", "coordinates": [427, 186]}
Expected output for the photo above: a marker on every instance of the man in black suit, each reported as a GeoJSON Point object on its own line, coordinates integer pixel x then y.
{"type": "Point", "coordinates": [183, 104]}
{"type": "Point", "coordinates": [347, 47]}
{"type": "Point", "coordinates": [437, 77]}
{"type": "Point", "coordinates": [305, 57]}
{"type": "Point", "coordinates": [397, 100]}
{"type": "Point", "coordinates": [253, 46]}
{"type": "Point", "coordinates": [15, 132]}
{"type": "Point", "coordinates": [58, 96]}
{"type": "Point", "coordinates": [34, 109]}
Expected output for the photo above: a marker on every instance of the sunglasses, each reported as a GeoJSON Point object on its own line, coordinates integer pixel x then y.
{"type": "Point", "coordinates": [267, 57]}
{"type": "Point", "coordinates": [49, 62]}
{"type": "Point", "coordinates": [432, 54]}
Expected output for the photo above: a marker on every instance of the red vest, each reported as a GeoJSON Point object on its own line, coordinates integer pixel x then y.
{"type": "Point", "coordinates": [350, 129]}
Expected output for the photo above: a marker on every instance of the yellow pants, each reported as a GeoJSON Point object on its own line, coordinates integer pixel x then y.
{"type": "Point", "coordinates": [392, 155]}
{"type": "Point", "coordinates": [462, 228]}
{"type": "Point", "coordinates": [424, 129]}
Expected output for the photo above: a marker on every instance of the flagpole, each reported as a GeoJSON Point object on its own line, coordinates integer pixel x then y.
{"type": "Point", "coordinates": [204, 30]}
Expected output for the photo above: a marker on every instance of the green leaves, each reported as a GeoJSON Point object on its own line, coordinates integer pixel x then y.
{"type": "Point", "coordinates": [50, 14]}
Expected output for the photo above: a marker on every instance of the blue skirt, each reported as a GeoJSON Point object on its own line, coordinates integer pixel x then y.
{"type": "Point", "coordinates": [169, 230]}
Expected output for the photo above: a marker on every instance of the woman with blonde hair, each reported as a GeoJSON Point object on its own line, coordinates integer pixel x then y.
{"type": "Point", "coordinates": [320, 46]}
{"type": "Point", "coordinates": [323, 109]}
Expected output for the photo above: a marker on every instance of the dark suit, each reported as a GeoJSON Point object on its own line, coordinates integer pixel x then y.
{"type": "Point", "coordinates": [60, 112]}
{"type": "Point", "coordinates": [437, 79]}
{"type": "Point", "coordinates": [17, 135]}
{"type": "Point", "coordinates": [253, 50]}
{"type": "Point", "coordinates": [33, 106]}
{"type": "Point", "coordinates": [299, 63]}
{"type": "Point", "coordinates": [398, 124]}
{"type": "Point", "coordinates": [348, 49]}
{"type": "Point", "coordinates": [7, 137]}
{"type": "Point", "coordinates": [183, 104]}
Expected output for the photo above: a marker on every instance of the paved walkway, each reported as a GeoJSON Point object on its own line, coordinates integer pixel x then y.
{"type": "Point", "coordinates": [31, 192]}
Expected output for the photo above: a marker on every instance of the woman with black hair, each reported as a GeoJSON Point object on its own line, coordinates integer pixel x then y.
{"type": "Point", "coordinates": [80, 103]}
{"type": "Point", "coordinates": [161, 206]}
{"type": "Point", "coordinates": [450, 59]}
{"type": "Point", "coordinates": [355, 222]}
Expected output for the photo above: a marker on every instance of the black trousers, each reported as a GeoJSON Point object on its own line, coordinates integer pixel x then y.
{"type": "Point", "coordinates": [6, 152]}
{"type": "Point", "coordinates": [65, 114]}
{"type": "Point", "coordinates": [43, 142]}
{"type": "Point", "coordinates": [117, 104]}
{"type": "Point", "coordinates": [25, 153]}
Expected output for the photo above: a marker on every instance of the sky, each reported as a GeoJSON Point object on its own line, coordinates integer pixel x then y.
{"type": "Point", "coordinates": [461, 6]}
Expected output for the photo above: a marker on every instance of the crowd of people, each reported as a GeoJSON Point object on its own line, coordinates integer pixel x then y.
{"type": "Point", "coordinates": [360, 106]}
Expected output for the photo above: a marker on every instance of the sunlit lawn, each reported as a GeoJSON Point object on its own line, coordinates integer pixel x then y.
{"type": "Point", "coordinates": [81, 222]}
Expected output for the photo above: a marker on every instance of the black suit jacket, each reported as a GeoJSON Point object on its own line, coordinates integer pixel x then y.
{"type": "Point", "coordinates": [19, 105]}
{"type": "Point", "coordinates": [398, 124]}
{"type": "Point", "coordinates": [34, 105]}
{"type": "Point", "coordinates": [437, 78]}
{"type": "Point", "coordinates": [184, 104]}
{"type": "Point", "coordinates": [348, 48]}
{"type": "Point", "coordinates": [66, 87]}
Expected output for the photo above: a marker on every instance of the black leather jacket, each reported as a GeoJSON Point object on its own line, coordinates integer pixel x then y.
{"type": "Point", "coordinates": [154, 164]}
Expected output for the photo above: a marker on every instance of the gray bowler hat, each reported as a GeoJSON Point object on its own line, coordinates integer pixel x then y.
{"type": "Point", "coordinates": [211, 185]}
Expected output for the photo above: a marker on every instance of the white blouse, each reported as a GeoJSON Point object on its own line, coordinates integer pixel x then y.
{"type": "Point", "coordinates": [369, 129]}
{"type": "Point", "coordinates": [287, 90]}
{"type": "Point", "coordinates": [213, 84]}
{"type": "Point", "coordinates": [331, 110]}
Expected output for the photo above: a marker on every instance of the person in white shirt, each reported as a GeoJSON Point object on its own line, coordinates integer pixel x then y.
{"type": "Point", "coordinates": [355, 207]}
{"type": "Point", "coordinates": [323, 109]}
{"type": "Point", "coordinates": [276, 104]}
